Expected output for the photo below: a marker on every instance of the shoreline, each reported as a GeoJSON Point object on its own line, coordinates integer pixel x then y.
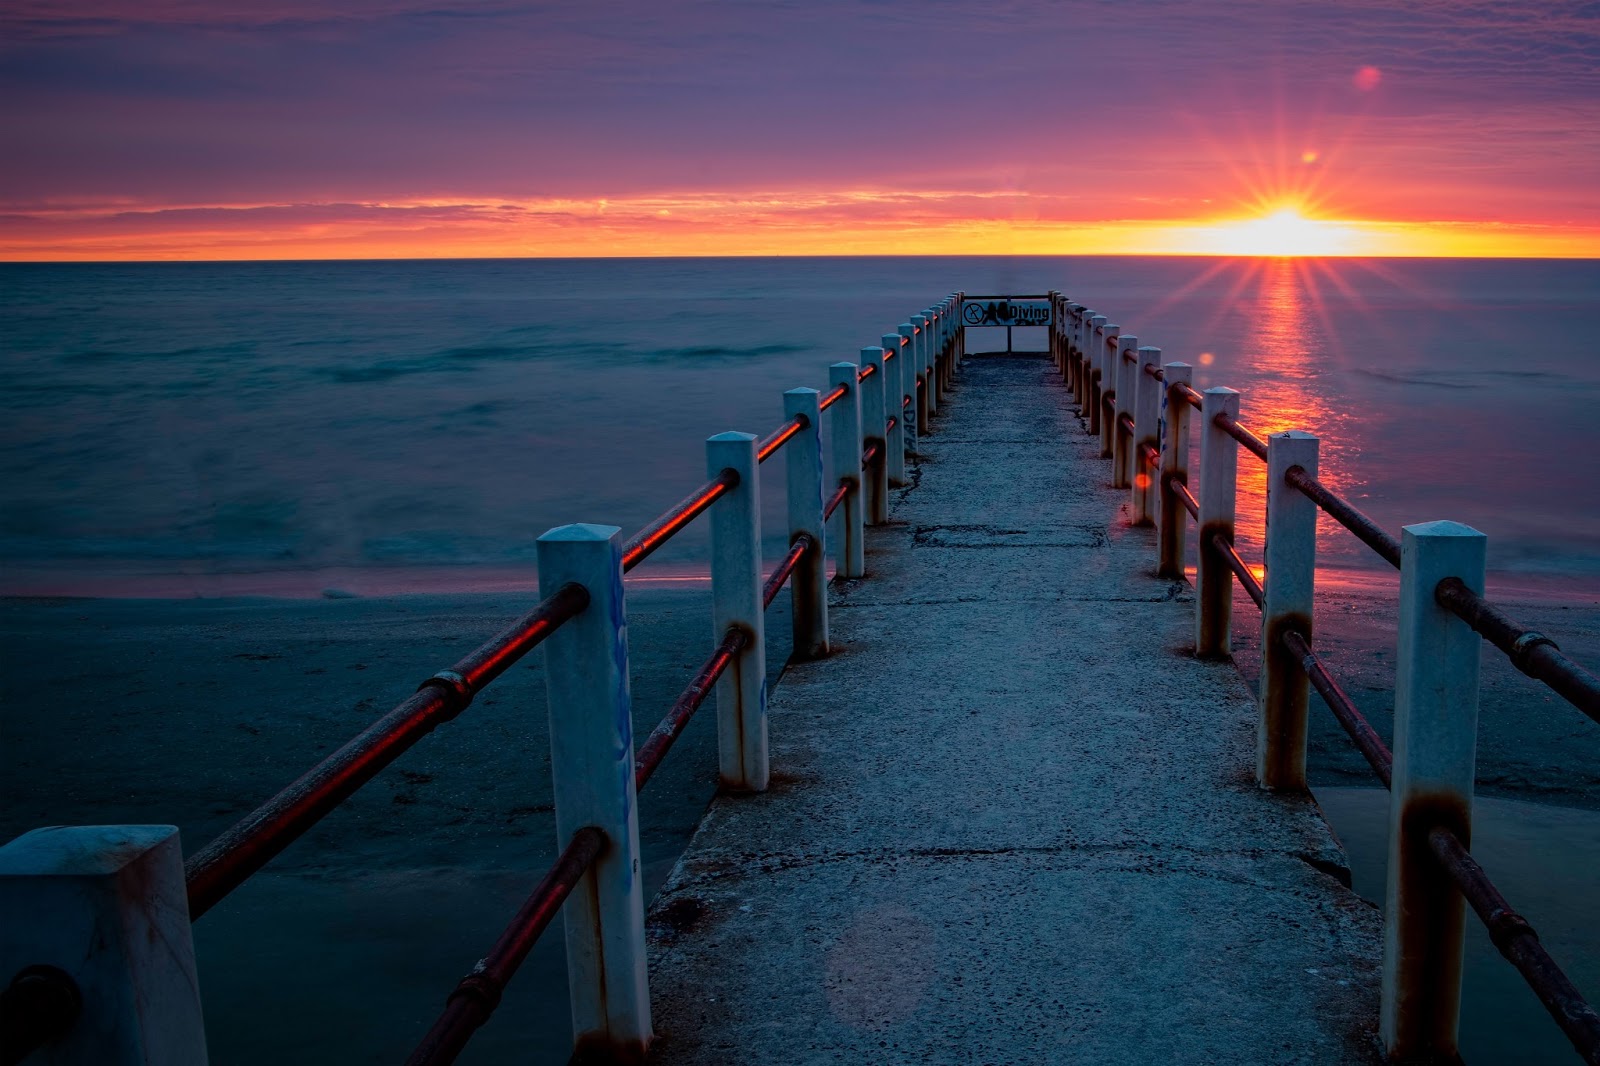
{"type": "Point", "coordinates": [1511, 587]}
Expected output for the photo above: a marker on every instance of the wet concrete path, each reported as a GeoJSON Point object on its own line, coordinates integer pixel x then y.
{"type": "Point", "coordinates": [1012, 820]}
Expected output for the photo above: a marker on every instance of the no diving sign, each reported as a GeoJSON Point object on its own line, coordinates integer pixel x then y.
{"type": "Point", "coordinates": [1001, 311]}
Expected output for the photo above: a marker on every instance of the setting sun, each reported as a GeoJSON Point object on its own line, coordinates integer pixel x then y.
{"type": "Point", "coordinates": [1284, 232]}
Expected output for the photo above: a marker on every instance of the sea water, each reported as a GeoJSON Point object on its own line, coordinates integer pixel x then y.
{"type": "Point", "coordinates": [193, 423]}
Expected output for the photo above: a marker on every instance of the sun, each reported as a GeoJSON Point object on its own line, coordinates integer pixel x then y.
{"type": "Point", "coordinates": [1283, 232]}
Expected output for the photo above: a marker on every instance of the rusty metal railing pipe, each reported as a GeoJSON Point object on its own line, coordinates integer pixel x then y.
{"type": "Point", "coordinates": [478, 994]}
{"type": "Point", "coordinates": [252, 842]}
{"type": "Point", "coordinates": [1344, 709]}
{"type": "Point", "coordinates": [1529, 650]}
{"type": "Point", "coordinates": [1235, 562]}
{"type": "Point", "coordinates": [780, 436]}
{"type": "Point", "coordinates": [1185, 497]}
{"type": "Point", "coordinates": [665, 734]}
{"type": "Point", "coordinates": [1518, 942]}
{"type": "Point", "coordinates": [644, 543]}
{"type": "Point", "coordinates": [1187, 394]}
{"type": "Point", "coordinates": [1345, 513]}
{"type": "Point", "coordinates": [1252, 443]}
{"type": "Point", "coordinates": [785, 569]}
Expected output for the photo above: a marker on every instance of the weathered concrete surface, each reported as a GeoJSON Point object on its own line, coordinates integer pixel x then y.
{"type": "Point", "coordinates": [1012, 819]}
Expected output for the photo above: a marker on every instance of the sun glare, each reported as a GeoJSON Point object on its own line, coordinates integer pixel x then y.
{"type": "Point", "coordinates": [1284, 232]}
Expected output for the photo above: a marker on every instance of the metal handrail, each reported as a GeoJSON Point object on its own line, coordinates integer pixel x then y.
{"type": "Point", "coordinates": [477, 995]}
{"type": "Point", "coordinates": [1189, 395]}
{"type": "Point", "coordinates": [1180, 489]}
{"type": "Point", "coordinates": [780, 576]}
{"type": "Point", "coordinates": [846, 487]}
{"type": "Point", "coordinates": [1516, 939]}
{"type": "Point", "coordinates": [1254, 444]}
{"type": "Point", "coordinates": [1235, 562]}
{"type": "Point", "coordinates": [1529, 650]}
{"type": "Point", "coordinates": [780, 436]}
{"type": "Point", "coordinates": [1366, 738]}
{"type": "Point", "coordinates": [258, 837]}
{"type": "Point", "coordinates": [661, 739]}
{"type": "Point", "coordinates": [1346, 514]}
{"type": "Point", "coordinates": [644, 543]}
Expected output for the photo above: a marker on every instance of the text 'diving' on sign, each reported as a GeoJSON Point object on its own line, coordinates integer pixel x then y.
{"type": "Point", "coordinates": [1003, 312]}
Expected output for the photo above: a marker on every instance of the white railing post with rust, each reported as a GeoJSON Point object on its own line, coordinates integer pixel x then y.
{"type": "Point", "coordinates": [1121, 439]}
{"type": "Point", "coordinates": [845, 533]}
{"type": "Point", "coordinates": [951, 324]}
{"type": "Point", "coordinates": [1174, 519]}
{"type": "Point", "coordinates": [961, 329]}
{"type": "Point", "coordinates": [1146, 434]}
{"type": "Point", "coordinates": [1435, 753]}
{"type": "Point", "coordinates": [1291, 569]}
{"type": "Point", "coordinates": [921, 402]}
{"type": "Point", "coordinates": [1075, 354]}
{"type": "Point", "coordinates": [103, 912]}
{"type": "Point", "coordinates": [1219, 472]}
{"type": "Point", "coordinates": [1110, 378]}
{"type": "Point", "coordinates": [808, 585]}
{"type": "Point", "coordinates": [1054, 332]}
{"type": "Point", "coordinates": [930, 361]}
{"type": "Point", "coordinates": [898, 439]}
{"type": "Point", "coordinates": [1085, 371]}
{"type": "Point", "coordinates": [591, 770]}
{"type": "Point", "coordinates": [1094, 353]}
{"type": "Point", "coordinates": [736, 582]}
{"type": "Point", "coordinates": [906, 414]}
{"type": "Point", "coordinates": [875, 391]}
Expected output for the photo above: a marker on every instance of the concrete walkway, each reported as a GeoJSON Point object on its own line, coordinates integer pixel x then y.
{"type": "Point", "coordinates": [1012, 821]}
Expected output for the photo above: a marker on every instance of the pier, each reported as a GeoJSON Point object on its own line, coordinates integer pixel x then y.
{"type": "Point", "coordinates": [1010, 801]}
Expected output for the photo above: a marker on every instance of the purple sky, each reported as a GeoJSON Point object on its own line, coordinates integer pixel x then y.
{"type": "Point", "coordinates": [280, 116]}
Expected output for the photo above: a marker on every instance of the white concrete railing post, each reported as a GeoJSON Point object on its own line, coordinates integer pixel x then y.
{"type": "Point", "coordinates": [1085, 390]}
{"type": "Point", "coordinates": [952, 324]}
{"type": "Point", "coordinates": [1111, 379]}
{"type": "Point", "coordinates": [1174, 518]}
{"type": "Point", "coordinates": [1103, 382]}
{"type": "Point", "coordinates": [591, 769]}
{"type": "Point", "coordinates": [907, 413]}
{"type": "Point", "coordinates": [1435, 754]}
{"type": "Point", "coordinates": [961, 330]}
{"type": "Point", "coordinates": [1075, 354]}
{"type": "Point", "coordinates": [1291, 572]}
{"type": "Point", "coordinates": [1219, 472]}
{"type": "Point", "coordinates": [1127, 384]}
{"type": "Point", "coordinates": [1146, 433]}
{"type": "Point", "coordinates": [900, 440]}
{"type": "Point", "coordinates": [845, 532]}
{"type": "Point", "coordinates": [1054, 344]}
{"type": "Point", "coordinates": [808, 585]}
{"type": "Point", "coordinates": [106, 906]}
{"type": "Point", "coordinates": [874, 407]}
{"type": "Point", "coordinates": [930, 361]}
{"type": "Point", "coordinates": [736, 581]}
{"type": "Point", "coordinates": [922, 401]}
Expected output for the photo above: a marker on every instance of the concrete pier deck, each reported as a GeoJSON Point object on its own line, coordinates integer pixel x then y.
{"type": "Point", "coordinates": [1012, 818]}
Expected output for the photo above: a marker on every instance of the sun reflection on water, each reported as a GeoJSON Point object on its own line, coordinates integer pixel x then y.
{"type": "Point", "coordinates": [1288, 352]}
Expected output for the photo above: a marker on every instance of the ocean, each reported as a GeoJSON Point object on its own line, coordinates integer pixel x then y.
{"type": "Point", "coordinates": [201, 428]}
{"type": "Point", "coordinates": [240, 441]}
